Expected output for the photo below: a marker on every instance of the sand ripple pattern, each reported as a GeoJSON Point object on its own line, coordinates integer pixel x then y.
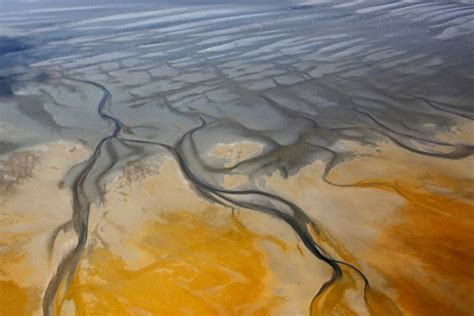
{"type": "Point", "coordinates": [299, 78]}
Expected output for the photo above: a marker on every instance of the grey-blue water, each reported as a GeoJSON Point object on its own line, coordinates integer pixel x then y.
{"type": "Point", "coordinates": [295, 76]}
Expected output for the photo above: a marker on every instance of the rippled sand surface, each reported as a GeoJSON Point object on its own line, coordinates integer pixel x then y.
{"type": "Point", "coordinates": [236, 158]}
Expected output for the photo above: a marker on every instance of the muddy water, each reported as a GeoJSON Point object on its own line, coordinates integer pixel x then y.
{"type": "Point", "coordinates": [224, 158]}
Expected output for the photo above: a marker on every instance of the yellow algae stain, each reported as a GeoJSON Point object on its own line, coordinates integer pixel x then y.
{"type": "Point", "coordinates": [435, 237]}
{"type": "Point", "coordinates": [423, 251]}
{"type": "Point", "coordinates": [331, 300]}
{"type": "Point", "coordinates": [14, 300]}
{"type": "Point", "coordinates": [31, 207]}
{"type": "Point", "coordinates": [201, 266]}
{"type": "Point", "coordinates": [380, 304]}
{"type": "Point", "coordinates": [334, 300]}
{"type": "Point", "coordinates": [421, 254]}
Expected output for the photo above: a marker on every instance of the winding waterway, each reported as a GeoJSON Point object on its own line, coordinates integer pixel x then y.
{"type": "Point", "coordinates": [236, 157]}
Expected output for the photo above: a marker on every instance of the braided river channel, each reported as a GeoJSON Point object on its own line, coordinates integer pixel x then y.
{"type": "Point", "coordinates": [224, 157]}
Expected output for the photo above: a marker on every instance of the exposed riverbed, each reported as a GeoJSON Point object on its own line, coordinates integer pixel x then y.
{"type": "Point", "coordinates": [223, 158]}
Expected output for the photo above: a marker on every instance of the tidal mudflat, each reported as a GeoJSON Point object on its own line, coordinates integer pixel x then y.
{"type": "Point", "coordinates": [236, 158]}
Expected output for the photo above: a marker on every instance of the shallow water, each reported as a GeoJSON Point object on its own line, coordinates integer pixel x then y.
{"type": "Point", "coordinates": [220, 157]}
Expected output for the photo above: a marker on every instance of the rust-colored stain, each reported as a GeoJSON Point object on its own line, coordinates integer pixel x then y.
{"type": "Point", "coordinates": [427, 256]}
{"type": "Point", "coordinates": [199, 267]}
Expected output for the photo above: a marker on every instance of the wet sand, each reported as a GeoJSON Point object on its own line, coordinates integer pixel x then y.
{"type": "Point", "coordinates": [271, 158]}
{"type": "Point", "coordinates": [402, 219]}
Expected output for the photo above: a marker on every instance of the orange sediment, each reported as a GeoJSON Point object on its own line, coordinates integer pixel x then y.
{"type": "Point", "coordinates": [148, 254]}
{"type": "Point", "coordinates": [199, 267]}
{"type": "Point", "coordinates": [436, 233]}
{"type": "Point", "coordinates": [425, 255]}
{"type": "Point", "coordinates": [14, 300]}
